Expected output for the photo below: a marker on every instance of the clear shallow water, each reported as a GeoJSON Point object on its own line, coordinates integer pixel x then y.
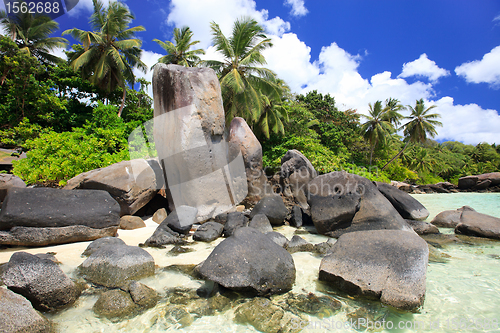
{"type": "Point", "coordinates": [465, 288]}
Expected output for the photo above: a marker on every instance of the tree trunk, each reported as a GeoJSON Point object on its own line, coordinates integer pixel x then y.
{"type": "Point", "coordinates": [123, 102]}
{"type": "Point", "coordinates": [371, 154]}
{"type": "Point", "coordinates": [397, 155]}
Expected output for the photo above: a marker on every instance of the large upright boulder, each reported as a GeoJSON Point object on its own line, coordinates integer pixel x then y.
{"type": "Point", "coordinates": [8, 181]}
{"type": "Point", "coordinates": [17, 315]}
{"type": "Point", "coordinates": [387, 264]}
{"type": "Point", "coordinates": [47, 216]}
{"type": "Point", "coordinates": [189, 136]}
{"type": "Point", "coordinates": [342, 202]}
{"type": "Point", "coordinates": [405, 204]}
{"type": "Point", "coordinates": [39, 280]}
{"type": "Point", "coordinates": [131, 183]}
{"type": "Point", "coordinates": [241, 139]}
{"type": "Point", "coordinates": [250, 261]}
{"type": "Point", "coordinates": [296, 171]}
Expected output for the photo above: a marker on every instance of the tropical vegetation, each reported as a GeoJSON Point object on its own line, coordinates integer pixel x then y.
{"type": "Point", "coordinates": [75, 115]}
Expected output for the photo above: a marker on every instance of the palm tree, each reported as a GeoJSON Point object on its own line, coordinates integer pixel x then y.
{"type": "Point", "coordinates": [243, 82]}
{"type": "Point", "coordinates": [421, 123]}
{"type": "Point", "coordinates": [179, 52]}
{"type": "Point", "coordinates": [110, 52]}
{"type": "Point", "coordinates": [391, 111]}
{"type": "Point", "coordinates": [274, 113]}
{"type": "Point", "coordinates": [31, 34]}
{"type": "Point", "coordinates": [377, 127]}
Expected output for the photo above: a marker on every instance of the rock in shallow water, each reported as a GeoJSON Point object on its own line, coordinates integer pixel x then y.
{"type": "Point", "coordinates": [473, 223]}
{"type": "Point", "coordinates": [208, 232]}
{"type": "Point", "coordinates": [405, 204]}
{"type": "Point", "coordinates": [41, 281]}
{"type": "Point", "coordinates": [17, 314]}
{"type": "Point", "coordinates": [450, 218]}
{"type": "Point", "coordinates": [250, 261]}
{"type": "Point", "coordinates": [386, 264]}
{"type": "Point", "coordinates": [113, 265]}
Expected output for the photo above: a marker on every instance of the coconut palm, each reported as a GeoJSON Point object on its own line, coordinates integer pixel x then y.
{"type": "Point", "coordinates": [110, 52]}
{"type": "Point", "coordinates": [377, 127]}
{"type": "Point", "coordinates": [31, 34]}
{"type": "Point", "coordinates": [243, 81]}
{"type": "Point", "coordinates": [421, 123]}
{"type": "Point", "coordinates": [391, 111]}
{"type": "Point", "coordinates": [180, 53]}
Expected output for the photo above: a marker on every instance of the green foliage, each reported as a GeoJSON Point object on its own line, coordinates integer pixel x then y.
{"type": "Point", "coordinates": [17, 136]}
{"type": "Point", "coordinates": [180, 53]}
{"type": "Point", "coordinates": [53, 158]}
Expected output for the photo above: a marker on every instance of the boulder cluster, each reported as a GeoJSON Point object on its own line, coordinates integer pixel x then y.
{"type": "Point", "coordinates": [374, 247]}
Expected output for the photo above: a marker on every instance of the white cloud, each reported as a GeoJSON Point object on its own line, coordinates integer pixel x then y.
{"type": "Point", "coordinates": [336, 70]}
{"type": "Point", "coordinates": [469, 123]}
{"type": "Point", "coordinates": [149, 58]}
{"type": "Point", "coordinates": [85, 6]}
{"type": "Point", "coordinates": [486, 70]}
{"type": "Point", "coordinates": [425, 67]}
{"type": "Point", "coordinates": [497, 18]}
{"type": "Point", "coordinates": [199, 14]}
{"type": "Point", "coordinates": [298, 8]}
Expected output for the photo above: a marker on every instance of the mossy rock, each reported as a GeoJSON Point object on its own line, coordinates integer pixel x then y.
{"type": "Point", "coordinates": [319, 306]}
{"type": "Point", "coordinates": [437, 256]}
{"type": "Point", "coordinates": [176, 250]}
{"type": "Point", "coordinates": [115, 305]}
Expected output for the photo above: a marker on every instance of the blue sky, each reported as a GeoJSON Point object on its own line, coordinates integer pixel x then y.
{"type": "Point", "coordinates": [359, 51]}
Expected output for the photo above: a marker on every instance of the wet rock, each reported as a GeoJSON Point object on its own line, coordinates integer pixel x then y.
{"type": "Point", "coordinates": [112, 266]}
{"type": "Point", "coordinates": [299, 244]}
{"type": "Point", "coordinates": [476, 224]}
{"type": "Point", "coordinates": [129, 222]}
{"type": "Point", "coordinates": [266, 317]}
{"type": "Point", "coordinates": [405, 204]}
{"type": "Point", "coordinates": [440, 240]}
{"type": "Point", "coordinates": [437, 256]}
{"type": "Point", "coordinates": [323, 248]}
{"type": "Point", "coordinates": [142, 295]}
{"type": "Point", "coordinates": [160, 215]}
{"type": "Point", "coordinates": [191, 270]}
{"type": "Point", "coordinates": [102, 242]}
{"type": "Point", "coordinates": [176, 250]}
{"type": "Point", "coordinates": [131, 183]}
{"type": "Point", "coordinates": [208, 232]}
{"type": "Point", "coordinates": [261, 222]}
{"type": "Point", "coordinates": [41, 281]}
{"type": "Point", "coordinates": [450, 218]}
{"type": "Point", "coordinates": [296, 171]}
{"type": "Point", "coordinates": [296, 217]}
{"type": "Point", "coordinates": [17, 315]}
{"type": "Point", "coordinates": [278, 238]}
{"type": "Point", "coordinates": [235, 221]}
{"type": "Point", "coordinates": [319, 306]}
{"type": "Point", "coordinates": [342, 202]}
{"type": "Point", "coordinates": [115, 304]}
{"type": "Point", "coordinates": [386, 264]}
{"type": "Point", "coordinates": [250, 261]}
{"type": "Point", "coordinates": [273, 207]}
{"type": "Point", "coordinates": [8, 181]}
{"type": "Point", "coordinates": [422, 228]}
{"type": "Point", "coordinates": [179, 314]}
{"type": "Point", "coordinates": [242, 140]}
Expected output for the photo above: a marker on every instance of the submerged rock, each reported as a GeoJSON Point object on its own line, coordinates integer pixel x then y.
{"type": "Point", "coordinates": [17, 315]}
{"type": "Point", "coordinates": [405, 204]}
{"type": "Point", "coordinates": [250, 261]}
{"type": "Point", "coordinates": [386, 264]}
{"type": "Point", "coordinates": [266, 316]}
{"type": "Point", "coordinates": [41, 281]}
{"type": "Point", "coordinates": [115, 304]}
{"type": "Point", "coordinates": [422, 228]}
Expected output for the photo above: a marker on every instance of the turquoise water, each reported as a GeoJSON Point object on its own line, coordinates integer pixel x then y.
{"type": "Point", "coordinates": [463, 293]}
